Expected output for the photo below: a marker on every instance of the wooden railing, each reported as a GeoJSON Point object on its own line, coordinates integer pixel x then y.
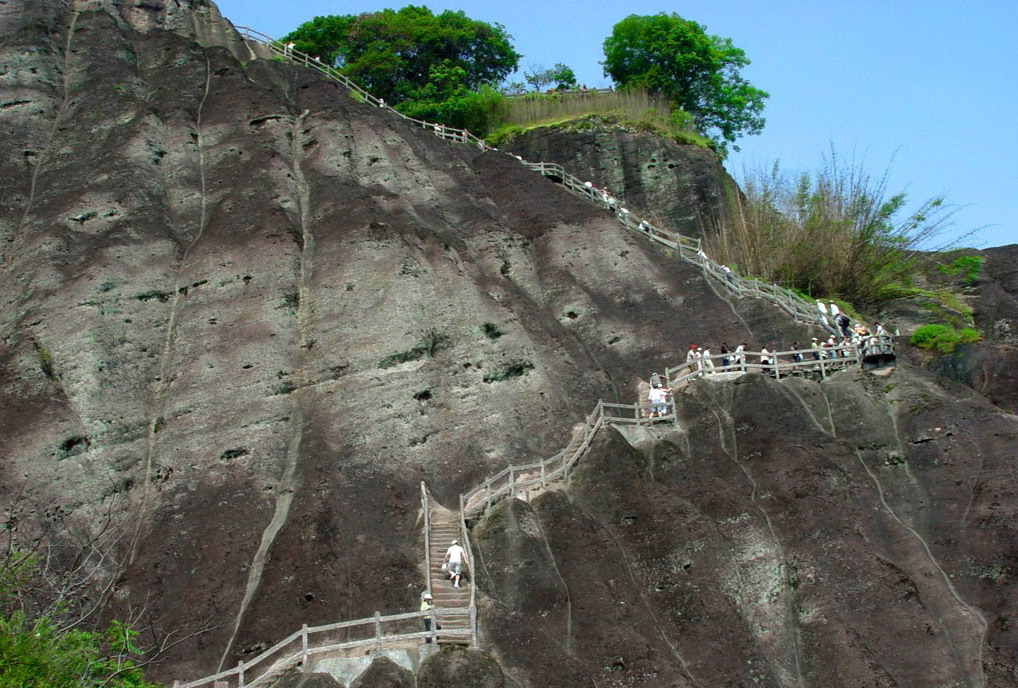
{"type": "Point", "coordinates": [823, 360]}
{"type": "Point", "coordinates": [373, 632]}
{"type": "Point", "coordinates": [426, 510]}
{"type": "Point", "coordinates": [465, 536]}
{"type": "Point", "coordinates": [517, 479]}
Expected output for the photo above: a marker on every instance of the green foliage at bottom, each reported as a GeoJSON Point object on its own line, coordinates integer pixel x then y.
{"type": "Point", "coordinates": [38, 654]}
{"type": "Point", "coordinates": [943, 338]}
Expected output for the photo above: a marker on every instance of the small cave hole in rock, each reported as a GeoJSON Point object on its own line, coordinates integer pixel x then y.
{"type": "Point", "coordinates": [509, 371]}
{"type": "Point", "coordinates": [308, 597]}
{"type": "Point", "coordinates": [492, 331]}
{"type": "Point", "coordinates": [423, 395]}
{"type": "Point", "coordinates": [234, 453]}
{"type": "Point", "coordinates": [73, 446]}
{"type": "Point", "coordinates": [572, 315]}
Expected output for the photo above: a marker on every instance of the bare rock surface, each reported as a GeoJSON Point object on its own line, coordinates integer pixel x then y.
{"type": "Point", "coordinates": [245, 315]}
{"type": "Point", "coordinates": [298, 679]}
{"type": "Point", "coordinates": [384, 673]}
{"type": "Point", "coordinates": [675, 185]}
{"type": "Point", "coordinates": [456, 666]}
{"type": "Point", "coordinates": [991, 366]}
{"type": "Point", "coordinates": [782, 538]}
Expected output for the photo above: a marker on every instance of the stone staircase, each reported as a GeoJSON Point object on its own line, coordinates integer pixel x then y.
{"type": "Point", "coordinates": [445, 527]}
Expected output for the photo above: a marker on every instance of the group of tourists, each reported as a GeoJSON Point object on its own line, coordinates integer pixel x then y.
{"type": "Point", "coordinates": [701, 361]}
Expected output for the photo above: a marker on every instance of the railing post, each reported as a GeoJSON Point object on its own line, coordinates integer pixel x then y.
{"type": "Point", "coordinates": [378, 631]}
{"type": "Point", "coordinates": [544, 479]}
{"type": "Point", "coordinates": [823, 371]}
{"type": "Point", "coordinates": [240, 675]}
{"type": "Point", "coordinates": [473, 619]}
{"type": "Point", "coordinates": [487, 494]}
{"type": "Point", "coordinates": [512, 482]}
{"type": "Point", "coordinates": [304, 645]}
{"type": "Point", "coordinates": [434, 625]}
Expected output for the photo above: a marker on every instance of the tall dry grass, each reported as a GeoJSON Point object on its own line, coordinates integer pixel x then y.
{"type": "Point", "coordinates": [834, 233]}
{"type": "Point", "coordinates": [530, 109]}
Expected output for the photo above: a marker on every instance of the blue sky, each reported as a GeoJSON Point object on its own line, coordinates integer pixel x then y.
{"type": "Point", "coordinates": [924, 89]}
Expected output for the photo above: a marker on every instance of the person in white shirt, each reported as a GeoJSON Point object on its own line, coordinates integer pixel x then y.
{"type": "Point", "coordinates": [455, 557]}
{"type": "Point", "coordinates": [658, 398]}
{"type": "Point", "coordinates": [691, 358]}
{"type": "Point", "coordinates": [739, 358]}
{"type": "Point", "coordinates": [708, 364]}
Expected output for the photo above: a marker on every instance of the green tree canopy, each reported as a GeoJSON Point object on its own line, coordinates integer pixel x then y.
{"type": "Point", "coordinates": [667, 54]}
{"type": "Point", "coordinates": [560, 77]}
{"type": "Point", "coordinates": [393, 53]}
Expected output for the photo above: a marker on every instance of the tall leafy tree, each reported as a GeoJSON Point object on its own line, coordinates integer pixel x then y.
{"type": "Point", "coordinates": [394, 53]}
{"type": "Point", "coordinates": [667, 54]}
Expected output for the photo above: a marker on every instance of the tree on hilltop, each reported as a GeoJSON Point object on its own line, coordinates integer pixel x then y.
{"type": "Point", "coordinates": [560, 77]}
{"type": "Point", "coordinates": [394, 53]}
{"type": "Point", "coordinates": [667, 54]}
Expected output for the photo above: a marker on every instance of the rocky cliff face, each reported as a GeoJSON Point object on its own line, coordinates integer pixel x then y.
{"type": "Point", "coordinates": [679, 186]}
{"type": "Point", "coordinates": [783, 538]}
{"type": "Point", "coordinates": [990, 366]}
{"type": "Point", "coordinates": [247, 315]}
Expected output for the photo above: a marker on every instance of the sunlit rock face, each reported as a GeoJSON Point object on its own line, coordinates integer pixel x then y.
{"type": "Point", "coordinates": [245, 315]}
{"type": "Point", "coordinates": [674, 185]}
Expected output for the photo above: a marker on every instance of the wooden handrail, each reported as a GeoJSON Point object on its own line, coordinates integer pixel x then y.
{"type": "Point", "coordinates": [305, 648]}
{"type": "Point", "coordinates": [426, 508]}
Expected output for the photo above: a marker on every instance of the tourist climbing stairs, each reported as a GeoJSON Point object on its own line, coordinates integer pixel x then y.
{"type": "Point", "coordinates": [444, 528]}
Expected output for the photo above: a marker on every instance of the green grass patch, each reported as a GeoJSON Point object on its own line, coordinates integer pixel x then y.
{"type": "Point", "coordinates": [967, 266]}
{"type": "Point", "coordinates": [509, 371]}
{"type": "Point", "coordinates": [943, 338]}
{"type": "Point", "coordinates": [430, 343]}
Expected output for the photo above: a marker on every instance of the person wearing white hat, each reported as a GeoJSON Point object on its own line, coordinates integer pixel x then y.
{"type": "Point", "coordinates": [455, 556]}
{"type": "Point", "coordinates": [427, 604]}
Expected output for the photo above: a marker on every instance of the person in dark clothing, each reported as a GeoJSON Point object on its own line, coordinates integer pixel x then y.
{"type": "Point", "coordinates": [843, 322]}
